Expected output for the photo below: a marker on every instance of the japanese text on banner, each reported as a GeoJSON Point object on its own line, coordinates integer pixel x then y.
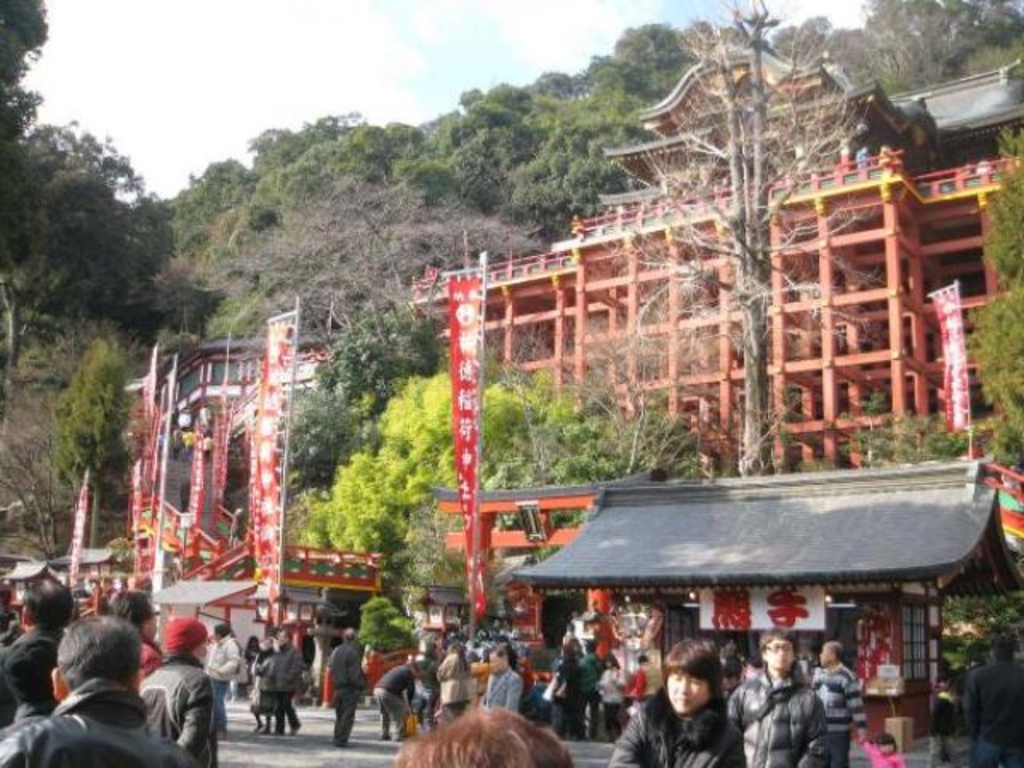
{"type": "Point", "coordinates": [78, 536]}
{"type": "Point", "coordinates": [745, 608]}
{"type": "Point", "coordinates": [954, 350]}
{"type": "Point", "coordinates": [465, 304]}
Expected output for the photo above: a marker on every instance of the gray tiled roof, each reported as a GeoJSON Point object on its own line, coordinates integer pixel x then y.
{"type": "Point", "coordinates": [27, 571]}
{"type": "Point", "coordinates": [831, 527]}
{"type": "Point", "coordinates": [88, 557]}
{"type": "Point", "coordinates": [202, 592]}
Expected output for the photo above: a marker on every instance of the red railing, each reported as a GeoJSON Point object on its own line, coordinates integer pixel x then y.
{"type": "Point", "coordinates": [633, 216]}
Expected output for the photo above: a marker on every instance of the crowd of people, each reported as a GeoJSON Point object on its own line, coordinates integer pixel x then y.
{"type": "Point", "coordinates": [100, 691]}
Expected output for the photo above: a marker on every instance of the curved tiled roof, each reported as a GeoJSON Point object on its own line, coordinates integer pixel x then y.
{"type": "Point", "coordinates": [833, 527]}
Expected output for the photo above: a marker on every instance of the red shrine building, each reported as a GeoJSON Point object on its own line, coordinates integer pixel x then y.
{"type": "Point", "coordinates": [859, 244]}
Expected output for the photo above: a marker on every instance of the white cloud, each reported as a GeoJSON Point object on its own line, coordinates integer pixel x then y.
{"type": "Point", "coordinates": [179, 85]}
{"type": "Point", "coordinates": [845, 14]}
{"type": "Point", "coordinates": [563, 36]}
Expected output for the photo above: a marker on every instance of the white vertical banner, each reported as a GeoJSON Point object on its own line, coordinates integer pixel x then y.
{"type": "Point", "coordinates": [950, 315]}
{"type": "Point", "coordinates": [78, 536]}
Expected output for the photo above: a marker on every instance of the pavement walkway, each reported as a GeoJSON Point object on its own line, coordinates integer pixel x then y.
{"type": "Point", "coordinates": [312, 747]}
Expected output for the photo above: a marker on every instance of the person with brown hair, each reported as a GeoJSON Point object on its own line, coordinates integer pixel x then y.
{"type": "Point", "coordinates": [486, 738]}
{"type": "Point", "coordinates": [684, 722]}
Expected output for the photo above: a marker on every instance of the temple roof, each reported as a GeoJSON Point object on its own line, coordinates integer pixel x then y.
{"type": "Point", "coordinates": [974, 101]}
{"type": "Point", "coordinates": [868, 526]}
{"type": "Point", "coordinates": [87, 557]}
{"type": "Point", "coordinates": [28, 571]}
{"type": "Point", "coordinates": [776, 69]}
{"type": "Point", "coordinates": [204, 592]}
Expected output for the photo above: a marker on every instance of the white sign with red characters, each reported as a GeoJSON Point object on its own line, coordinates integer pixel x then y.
{"type": "Point", "coordinates": [957, 384]}
{"type": "Point", "coordinates": [465, 322]}
{"type": "Point", "coordinates": [741, 609]}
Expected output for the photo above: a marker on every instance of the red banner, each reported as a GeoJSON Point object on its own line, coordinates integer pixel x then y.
{"type": "Point", "coordinates": [465, 304]}
{"type": "Point", "coordinates": [149, 385]}
{"type": "Point", "coordinates": [197, 483]}
{"type": "Point", "coordinates": [954, 351]}
{"type": "Point", "coordinates": [266, 462]}
{"type": "Point", "coordinates": [78, 537]}
{"type": "Point", "coordinates": [220, 454]}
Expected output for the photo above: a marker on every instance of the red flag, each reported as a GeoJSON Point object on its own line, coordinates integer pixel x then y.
{"type": "Point", "coordinates": [465, 305]}
{"type": "Point", "coordinates": [266, 463]}
{"type": "Point", "coordinates": [220, 454]}
{"type": "Point", "coordinates": [197, 487]}
{"type": "Point", "coordinates": [954, 351]}
{"type": "Point", "coordinates": [149, 385]}
{"type": "Point", "coordinates": [78, 537]}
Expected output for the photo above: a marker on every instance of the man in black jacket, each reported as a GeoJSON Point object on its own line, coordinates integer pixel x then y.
{"type": "Point", "coordinates": [29, 662]}
{"type": "Point", "coordinates": [349, 681]}
{"type": "Point", "coordinates": [994, 709]}
{"type": "Point", "coordinates": [179, 695]}
{"type": "Point", "coordinates": [101, 720]}
{"type": "Point", "coordinates": [394, 692]}
{"type": "Point", "coordinates": [782, 720]}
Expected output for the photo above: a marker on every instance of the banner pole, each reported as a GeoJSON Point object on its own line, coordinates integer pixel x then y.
{"type": "Point", "coordinates": [476, 564]}
{"type": "Point", "coordinates": [279, 565]}
{"type": "Point", "coordinates": [159, 559]}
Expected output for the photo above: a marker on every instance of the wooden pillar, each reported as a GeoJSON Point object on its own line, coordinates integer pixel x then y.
{"type": "Point", "coordinates": [632, 313]}
{"type": "Point", "coordinates": [559, 329]}
{"type": "Point", "coordinates": [915, 279]}
{"type": "Point", "coordinates": [579, 363]}
{"type": "Point", "coordinates": [991, 275]}
{"type": "Point", "coordinates": [829, 390]}
{"type": "Point", "coordinates": [894, 283]}
{"type": "Point", "coordinates": [510, 327]}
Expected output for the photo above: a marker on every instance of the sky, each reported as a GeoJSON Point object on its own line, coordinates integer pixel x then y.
{"type": "Point", "coordinates": [178, 84]}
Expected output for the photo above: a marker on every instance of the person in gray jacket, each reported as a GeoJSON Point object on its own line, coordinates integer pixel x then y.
{"type": "Point", "coordinates": [504, 685]}
{"type": "Point", "coordinates": [346, 665]}
{"type": "Point", "coordinates": [282, 676]}
{"type": "Point", "coordinates": [179, 696]}
{"type": "Point", "coordinates": [782, 720]}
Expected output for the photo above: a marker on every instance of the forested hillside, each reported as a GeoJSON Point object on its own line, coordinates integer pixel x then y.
{"type": "Point", "coordinates": [344, 214]}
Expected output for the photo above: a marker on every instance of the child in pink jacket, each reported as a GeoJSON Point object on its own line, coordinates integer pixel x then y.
{"type": "Point", "coordinates": [882, 753]}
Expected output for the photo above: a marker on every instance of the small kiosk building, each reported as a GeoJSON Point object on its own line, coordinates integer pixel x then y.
{"type": "Point", "coordinates": [862, 557]}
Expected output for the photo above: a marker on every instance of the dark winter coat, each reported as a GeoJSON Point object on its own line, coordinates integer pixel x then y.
{"type": "Point", "coordinates": [179, 706]}
{"type": "Point", "coordinates": [783, 725]}
{"type": "Point", "coordinates": [28, 664]}
{"type": "Point", "coordinates": [98, 725]}
{"type": "Point", "coordinates": [282, 672]}
{"type": "Point", "coordinates": [657, 737]}
{"type": "Point", "coordinates": [346, 664]}
{"type": "Point", "coordinates": [994, 704]}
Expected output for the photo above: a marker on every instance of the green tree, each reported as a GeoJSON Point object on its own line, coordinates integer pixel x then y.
{"type": "Point", "coordinates": [383, 627]}
{"type": "Point", "coordinates": [23, 31]}
{"type": "Point", "coordinates": [92, 414]}
{"type": "Point", "coordinates": [998, 339]}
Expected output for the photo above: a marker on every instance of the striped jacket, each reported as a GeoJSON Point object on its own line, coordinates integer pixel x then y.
{"type": "Point", "coordinates": [839, 691]}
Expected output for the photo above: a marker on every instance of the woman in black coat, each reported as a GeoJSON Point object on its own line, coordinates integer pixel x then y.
{"type": "Point", "coordinates": [683, 725]}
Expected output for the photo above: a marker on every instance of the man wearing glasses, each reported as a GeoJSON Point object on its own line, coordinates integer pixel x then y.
{"type": "Point", "coordinates": [782, 720]}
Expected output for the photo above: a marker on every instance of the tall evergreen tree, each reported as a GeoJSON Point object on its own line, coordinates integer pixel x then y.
{"type": "Point", "coordinates": [998, 340]}
{"type": "Point", "coordinates": [92, 415]}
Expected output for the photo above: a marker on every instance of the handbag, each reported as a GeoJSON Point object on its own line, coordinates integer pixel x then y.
{"type": "Point", "coordinates": [410, 725]}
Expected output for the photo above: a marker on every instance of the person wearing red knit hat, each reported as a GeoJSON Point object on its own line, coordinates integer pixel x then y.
{"type": "Point", "coordinates": [179, 696]}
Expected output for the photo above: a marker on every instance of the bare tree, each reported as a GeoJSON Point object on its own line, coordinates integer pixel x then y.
{"type": "Point", "coordinates": [352, 252]}
{"type": "Point", "coordinates": [38, 502]}
{"type": "Point", "coordinates": [750, 130]}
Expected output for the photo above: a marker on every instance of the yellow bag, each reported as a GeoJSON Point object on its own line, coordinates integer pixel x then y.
{"type": "Point", "coordinates": [410, 725]}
